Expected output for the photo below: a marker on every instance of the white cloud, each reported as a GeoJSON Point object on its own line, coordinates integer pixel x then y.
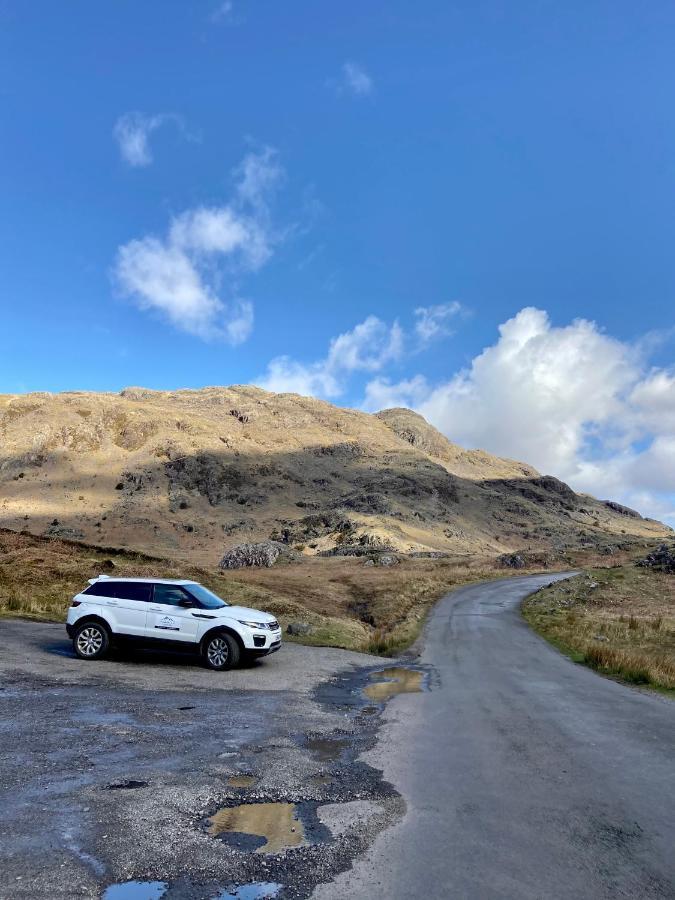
{"type": "Point", "coordinates": [434, 321]}
{"type": "Point", "coordinates": [537, 393]}
{"type": "Point", "coordinates": [355, 80]}
{"type": "Point", "coordinates": [368, 347]}
{"type": "Point", "coordinates": [571, 400]}
{"type": "Point", "coordinates": [382, 394]}
{"type": "Point", "coordinates": [132, 132]}
{"type": "Point", "coordinates": [181, 274]}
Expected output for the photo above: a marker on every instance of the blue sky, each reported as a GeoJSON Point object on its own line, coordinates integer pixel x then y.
{"type": "Point", "coordinates": [349, 200]}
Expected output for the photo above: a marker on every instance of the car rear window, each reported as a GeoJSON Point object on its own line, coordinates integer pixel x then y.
{"type": "Point", "coordinates": [122, 590]}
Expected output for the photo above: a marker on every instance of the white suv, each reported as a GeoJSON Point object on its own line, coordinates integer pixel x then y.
{"type": "Point", "coordinates": [162, 612]}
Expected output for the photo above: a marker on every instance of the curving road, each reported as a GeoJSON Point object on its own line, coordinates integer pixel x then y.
{"type": "Point", "coordinates": [525, 775]}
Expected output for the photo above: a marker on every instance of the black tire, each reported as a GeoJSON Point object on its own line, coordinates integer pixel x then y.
{"type": "Point", "coordinates": [220, 651]}
{"type": "Point", "coordinates": [91, 640]}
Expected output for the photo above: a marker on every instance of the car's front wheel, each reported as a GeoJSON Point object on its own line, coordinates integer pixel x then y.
{"type": "Point", "coordinates": [220, 651]}
{"type": "Point", "coordinates": [91, 640]}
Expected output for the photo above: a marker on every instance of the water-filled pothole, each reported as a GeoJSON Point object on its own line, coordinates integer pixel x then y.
{"type": "Point", "coordinates": [387, 683]}
{"type": "Point", "coordinates": [136, 890]}
{"type": "Point", "coordinates": [326, 749]}
{"type": "Point", "coordinates": [261, 827]}
{"type": "Point", "coordinates": [259, 890]}
{"type": "Point", "coordinates": [242, 781]}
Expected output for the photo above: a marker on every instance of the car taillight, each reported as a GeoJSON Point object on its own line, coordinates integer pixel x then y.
{"type": "Point", "coordinates": [75, 602]}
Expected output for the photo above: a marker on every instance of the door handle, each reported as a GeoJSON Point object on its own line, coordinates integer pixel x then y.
{"type": "Point", "coordinates": [113, 603]}
{"type": "Point", "coordinates": [156, 608]}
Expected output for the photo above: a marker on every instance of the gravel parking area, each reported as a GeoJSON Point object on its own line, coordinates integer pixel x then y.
{"type": "Point", "coordinates": [113, 771]}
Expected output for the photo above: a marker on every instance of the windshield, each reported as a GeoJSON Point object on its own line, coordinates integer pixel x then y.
{"type": "Point", "coordinates": [207, 598]}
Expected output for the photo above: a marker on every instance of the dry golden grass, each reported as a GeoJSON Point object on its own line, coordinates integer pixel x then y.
{"type": "Point", "coordinates": [620, 621]}
{"type": "Point", "coordinates": [350, 605]}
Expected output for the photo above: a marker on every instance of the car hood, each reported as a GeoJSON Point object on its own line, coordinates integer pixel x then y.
{"type": "Point", "coordinates": [243, 612]}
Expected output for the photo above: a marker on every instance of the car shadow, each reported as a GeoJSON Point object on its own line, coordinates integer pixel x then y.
{"type": "Point", "coordinates": [140, 656]}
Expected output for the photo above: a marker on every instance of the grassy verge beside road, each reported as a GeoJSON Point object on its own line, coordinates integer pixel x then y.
{"type": "Point", "coordinates": [620, 621]}
{"type": "Point", "coordinates": [379, 609]}
{"type": "Point", "coordinates": [347, 604]}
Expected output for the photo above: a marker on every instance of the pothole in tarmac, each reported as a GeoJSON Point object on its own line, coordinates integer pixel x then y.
{"type": "Point", "coordinates": [155, 890]}
{"type": "Point", "coordinates": [326, 749]}
{"type": "Point", "coordinates": [136, 890]}
{"type": "Point", "coordinates": [259, 827]}
{"type": "Point", "coordinates": [242, 781]}
{"type": "Point", "coordinates": [387, 683]}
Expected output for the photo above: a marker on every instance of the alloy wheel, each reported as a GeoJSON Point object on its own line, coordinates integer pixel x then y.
{"type": "Point", "coordinates": [90, 641]}
{"type": "Point", "coordinates": [218, 652]}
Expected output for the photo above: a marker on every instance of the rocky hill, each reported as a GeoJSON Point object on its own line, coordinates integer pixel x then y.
{"type": "Point", "coordinates": [192, 473]}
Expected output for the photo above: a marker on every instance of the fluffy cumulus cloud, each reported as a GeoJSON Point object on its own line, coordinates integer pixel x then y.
{"type": "Point", "coordinates": [133, 130]}
{"type": "Point", "coordinates": [571, 400]}
{"type": "Point", "coordinates": [204, 253]}
{"type": "Point", "coordinates": [368, 347]}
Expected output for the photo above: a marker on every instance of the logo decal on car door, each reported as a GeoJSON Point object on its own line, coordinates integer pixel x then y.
{"type": "Point", "coordinates": [167, 623]}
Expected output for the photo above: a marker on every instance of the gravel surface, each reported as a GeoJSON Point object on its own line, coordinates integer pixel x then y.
{"type": "Point", "coordinates": [112, 769]}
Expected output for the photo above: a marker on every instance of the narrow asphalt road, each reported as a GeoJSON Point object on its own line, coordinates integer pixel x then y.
{"type": "Point", "coordinates": [525, 775]}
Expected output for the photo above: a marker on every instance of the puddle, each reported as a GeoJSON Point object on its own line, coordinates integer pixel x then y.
{"type": "Point", "coordinates": [242, 781]}
{"type": "Point", "coordinates": [137, 890]}
{"type": "Point", "coordinates": [387, 683]}
{"type": "Point", "coordinates": [260, 890]}
{"type": "Point", "coordinates": [262, 827]}
{"type": "Point", "coordinates": [326, 749]}
{"type": "Point", "coordinates": [128, 785]}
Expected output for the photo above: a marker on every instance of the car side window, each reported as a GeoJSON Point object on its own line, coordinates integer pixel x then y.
{"type": "Point", "coordinates": [169, 593]}
{"type": "Point", "coordinates": [129, 590]}
{"type": "Point", "coordinates": [100, 589]}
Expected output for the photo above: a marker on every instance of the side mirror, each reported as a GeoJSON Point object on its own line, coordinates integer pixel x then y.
{"type": "Point", "coordinates": [186, 602]}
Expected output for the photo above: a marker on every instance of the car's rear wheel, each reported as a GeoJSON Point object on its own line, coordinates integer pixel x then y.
{"type": "Point", "coordinates": [220, 651]}
{"type": "Point", "coordinates": [91, 640]}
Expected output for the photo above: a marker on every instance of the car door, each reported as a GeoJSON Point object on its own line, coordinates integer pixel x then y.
{"type": "Point", "coordinates": [167, 619]}
{"type": "Point", "coordinates": [124, 604]}
{"type": "Point", "coordinates": [130, 601]}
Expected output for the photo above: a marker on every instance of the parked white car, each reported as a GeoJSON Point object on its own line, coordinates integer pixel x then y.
{"type": "Point", "coordinates": [171, 614]}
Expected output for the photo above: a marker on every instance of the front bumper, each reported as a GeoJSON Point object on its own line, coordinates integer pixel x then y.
{"type": "Point", "coordinates": [276, 645]}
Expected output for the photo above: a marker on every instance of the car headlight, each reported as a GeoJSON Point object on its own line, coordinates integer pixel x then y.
{"type": "Point", "coordinates": [252, 624]}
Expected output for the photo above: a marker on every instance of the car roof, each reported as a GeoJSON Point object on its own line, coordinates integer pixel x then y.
{"type": "Point", "coordinates": [146, 580]}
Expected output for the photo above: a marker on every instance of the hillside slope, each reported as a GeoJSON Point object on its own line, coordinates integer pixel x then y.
{"type": "Point", "coordinates": [190, 473]}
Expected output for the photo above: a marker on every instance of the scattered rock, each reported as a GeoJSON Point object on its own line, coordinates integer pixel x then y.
{"type": "Point", "coordinates": [428, 554]}
{"type": "Point", "coordinates": [299, 628]}
{"type": "Point", "coordinates": [622, 510]}
{"type": "Point", "coordinates": [266, 553]}
{"type": "Point", "coordinates": [369, 562]}
{"type": "Point", "coordinates": [387, 559]}
{"type": "Point", "coordinates": [512, 561]}
{"type": "Point", "coordinates": [600, 637]}
{"type": "Point", "coordinates": [663, 560]}
{"type": "Point", "coordinates": [61, 531]}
